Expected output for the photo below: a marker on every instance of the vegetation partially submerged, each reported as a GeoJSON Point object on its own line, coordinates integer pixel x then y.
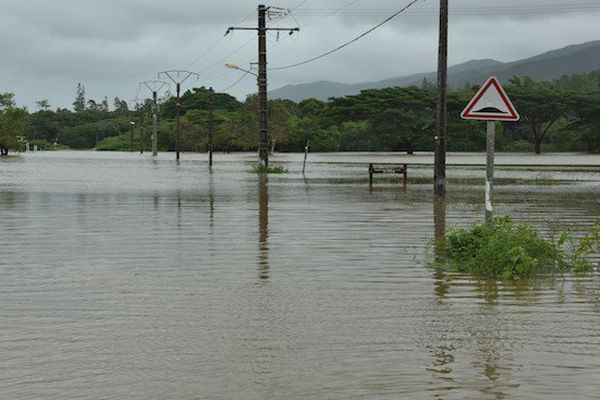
{"type": "Point", "coordinates": [507, 249]}
{"type": "Point", "coordinates": [272, 169]}
{"type": "Point", "coordinates": [561, 115]}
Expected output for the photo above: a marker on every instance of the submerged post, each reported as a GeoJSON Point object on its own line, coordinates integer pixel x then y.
{"type": "Point", "coordinates": [489, 180]}
{"type": "Point", "coordinates": [305, 156]}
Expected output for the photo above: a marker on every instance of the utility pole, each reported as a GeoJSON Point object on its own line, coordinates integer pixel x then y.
{"type": "Point", "coordinates": [155, 87]}
{"type": "Point", "coordinates": [210, 127]}
{"type": "Point", "coordinates": [439, 181]}
{"type": "Point", "coordinates": [263, 13]}
{"type": "Point", "coordinates": [178, 77]}
{"type": "Point", "coordinates": [142, 109]}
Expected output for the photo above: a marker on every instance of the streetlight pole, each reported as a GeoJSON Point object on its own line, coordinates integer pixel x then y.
{"type": "Point", "coordinates": [263, 12]}
{"type": "Point", "coordinates": [263, 142]}
{"type": "Point", "coordinates": [131, 128]}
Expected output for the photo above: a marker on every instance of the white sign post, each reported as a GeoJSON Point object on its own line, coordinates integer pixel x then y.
{"type": "Point", "coordinates": [490, 104]}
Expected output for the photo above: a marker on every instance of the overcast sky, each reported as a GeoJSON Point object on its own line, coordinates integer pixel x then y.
{"type": "Point", "coordinates": [48, 46]}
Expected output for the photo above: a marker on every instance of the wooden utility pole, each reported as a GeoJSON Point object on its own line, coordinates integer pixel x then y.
{"type": "Point", "coordinates": [210, 127]}
{"type": "Point", "coordinates": [263, 12]}
{"type": "Point", "coordinates": [178, 77]}
{"type": "Point", "coordinates": [142, 128]}
{"type": "Point", "coordinates": [439, 181]}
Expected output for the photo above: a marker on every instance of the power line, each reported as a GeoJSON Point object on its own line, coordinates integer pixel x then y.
{"type": "Point", "coordinates": [299, 5]}
{"type": "Point", "coordinates": [235, 83]}
{"type": "Point", "coordinates": [391, 17]}
{"type": "Point", "coordinates": [331, 13]}
{"type": "Point", "coordinates": [226, 58]}
{"type": "Point", "coordinates": [497, 10]}
{"type": "Point", "coordinates": [215, 44]}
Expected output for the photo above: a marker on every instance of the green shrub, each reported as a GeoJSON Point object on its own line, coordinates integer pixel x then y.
{"type": "Point", "coordinates": [114, 143]}
{"type": "Point", "coordinates": [261, 169]}
{"type": "Point", "coordinates": [507, 249]}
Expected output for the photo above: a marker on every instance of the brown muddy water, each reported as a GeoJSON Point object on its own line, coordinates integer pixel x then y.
{"type": "Point", "coordinates": [123, 277]}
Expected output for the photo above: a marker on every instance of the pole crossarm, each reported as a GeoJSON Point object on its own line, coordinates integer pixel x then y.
{"type": "Point", "coordinates": [262, 29]}
{"type": "Point", "coordinates": [234, 28]}
{"type": "Point", "coordinates": [175, 75]}
{"type": "Point", "coordinates": [178, 77]}
{"type": "Point", "coordinates": [154, 86]}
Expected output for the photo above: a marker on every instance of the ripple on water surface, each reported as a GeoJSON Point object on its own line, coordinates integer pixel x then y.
{"type": "Point", "coordinates": [127, 277]}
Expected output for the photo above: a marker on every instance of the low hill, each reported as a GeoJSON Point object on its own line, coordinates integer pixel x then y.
{"type": "Point", "coordinates": [550, 65]}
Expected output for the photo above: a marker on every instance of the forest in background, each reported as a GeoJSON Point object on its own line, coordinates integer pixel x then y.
{"type": "Point", "coordinates": [559, 115]}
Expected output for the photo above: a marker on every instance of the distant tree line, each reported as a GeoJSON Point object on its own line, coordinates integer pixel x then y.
{"type": "Point", "coordinates": [561, 115]}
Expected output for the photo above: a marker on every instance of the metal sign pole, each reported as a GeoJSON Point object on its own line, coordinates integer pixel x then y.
{"type": "Point", "coordinates": [489, 181]}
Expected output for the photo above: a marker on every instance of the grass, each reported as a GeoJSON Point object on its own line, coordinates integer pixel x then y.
{"type": "Point", "coordinates": [261, 169]}
{"type": "Point", "coordinates": [506, 249]}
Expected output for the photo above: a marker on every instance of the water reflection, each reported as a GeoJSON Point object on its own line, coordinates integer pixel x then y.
{"type": "Point", "coordinates": [441, 283]}
{"type": "Point", "coordinates": [263, 226]}
{"type": "Point", "coordinates": [211, 201]}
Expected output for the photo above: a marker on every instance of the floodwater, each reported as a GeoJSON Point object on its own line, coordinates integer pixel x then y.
{"type": "Point", "coordinates": [123, 277]}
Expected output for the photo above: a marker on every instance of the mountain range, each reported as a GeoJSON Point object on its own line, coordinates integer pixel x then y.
{"type": "Point", "coordinates": [550, 65]}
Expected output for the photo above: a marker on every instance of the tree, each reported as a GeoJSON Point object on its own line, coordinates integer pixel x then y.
{"type": "Point", "coordinates": [541, 106]}
{"type": "Point", "coordinates": [588, 122]}
{"type": "Point", "coordinates": [79, 103]}
{"type": "Point", "coordinates": [104, 104]}
{"type": "Point", "coordinates": [43, 104]}
{"type": "Point", "coordinates": [12, 123]}
{"type": "Point", "coordinates": [120, 106]}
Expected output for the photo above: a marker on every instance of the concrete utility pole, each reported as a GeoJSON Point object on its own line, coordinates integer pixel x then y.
{"type": "Point", "coordinates": [178, 77]}
{"type": "Point", "coordinates": [210, 127]}
{"type": "Point", "coordinates": [263, 13]}
{"type": "Point", "coordinates": [155, 87]}
{"type": "Point", "coordinates": [439, 181]}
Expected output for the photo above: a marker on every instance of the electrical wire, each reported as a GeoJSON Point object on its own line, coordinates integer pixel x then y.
{"type": "Point", "coordinates": [215, 44]}
{"type": "Point", "coordinates": [388, 19]}
{"type": "Point", "coordinates": [235, 83]}
{"type": "Point", "coordinates": [299, 5]}
{"type": "Point", "coordinates": [331, 13]}
{"type": "Point", "coordinates": [478, 10]}
{"type": "Point", "coordinates": [226, 58]}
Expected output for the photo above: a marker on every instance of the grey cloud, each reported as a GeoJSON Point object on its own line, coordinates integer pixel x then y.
{"type": "Point", "coordinates": [111, 45]}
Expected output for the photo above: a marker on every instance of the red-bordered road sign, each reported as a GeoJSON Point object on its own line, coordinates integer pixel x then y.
{"type": "Point", "coordinates": [491, 103]}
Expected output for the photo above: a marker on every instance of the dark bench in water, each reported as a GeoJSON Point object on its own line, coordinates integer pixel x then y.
{"type": "Point", "coordinates": [388, 169]}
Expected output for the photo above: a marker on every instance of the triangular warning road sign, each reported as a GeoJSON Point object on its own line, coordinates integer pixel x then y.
{"type": "Point", "coordinates": [491, 104]}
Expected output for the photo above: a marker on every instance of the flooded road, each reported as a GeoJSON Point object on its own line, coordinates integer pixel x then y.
{"type": "Point", "coordinates": [127, 277]}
